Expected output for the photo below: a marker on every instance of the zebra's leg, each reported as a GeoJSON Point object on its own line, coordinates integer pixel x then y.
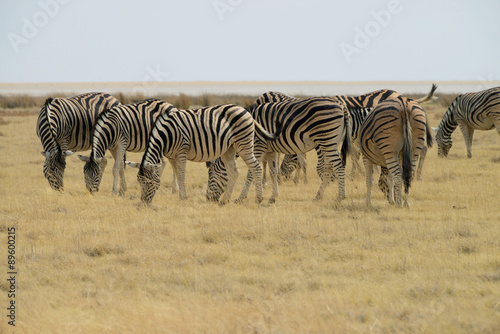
{"type": "Point", "coordinates": [468, 133]}
{"type": "Point", "coordinates": [278, 155]}
{"type": "Point", "coordinates": [119, 169]}
{"type": "Point", "coordinates": [255, 169]}
{"type": "Point", "coordinates": [395, 181]}
{"type": "Point", "coordinates": [264, 172]}
{"type": "Point", "coordinates": [273, 159]}
{"type": "Point", "coordinates": [259, 154]}
{"type": "Point", "coordinates": [175, 185]}
{"type": "Point", "coordinates": [229, 160]}
{"type": "Point", "coordinates": [303, 165]}
{"type": "Point", "coordinates": [180, 163]}
{"type": "Point", "coordinates": [123, 182]}
{"type": "Point", "coordinates": [331, 163]}
{"type": "Point", "coordinates": [369, 181]}
{"type": "Point", "coordinates": [422, 154]}
{"type": "Point", "coordinates": [356, 166]}
{"type": "Point", "coordinates": [298, 168]}
{"type": "Point", "coordinates": [383, 182]}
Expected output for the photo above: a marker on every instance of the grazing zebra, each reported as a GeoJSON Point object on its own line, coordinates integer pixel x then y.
{"type": "Point", "coordinates": [395, 128]}
{"type": "Point", "coordinates": [201, 135]}
{"type": "Point", "coordinates": [292, 162]}
{"type": "Point", "coordinates": [120, 129]}
{"type": "Point", "coordinates": [307, 123]}
{"type": "Point", "coordinates": [65, 125]}
{"type": "Point", "coordinates": [471, 111]}
{"type": "Point", "coordinates": [419, 145]}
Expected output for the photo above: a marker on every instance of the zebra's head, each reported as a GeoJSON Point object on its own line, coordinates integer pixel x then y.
{"type": "Point", "coordinates": [289, 164]}
{"type": "Point", "coordinates": [149, 180]}
{"type": "Point", "coordinates": [217, 179]}
{"type": "Point", "coordinates": [92, 171]}
{"type": "Point", "coordinates": [53, 168]}
{"type": "Point", "coordinates": [443, 144]}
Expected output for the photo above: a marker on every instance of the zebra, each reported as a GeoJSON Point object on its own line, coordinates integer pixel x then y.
{"type": "Point", "coordinates": [307, 123]}
{"type": "Point", "coordinates": [120, 129]}
{"type": "Point", "coordinates": [419, 145]}
{"type": "Point", "coordinates": [359, 107]}
{"type": "Point", "coordinates": [395, 128]}
{"type": "Point", "coordinates": [64, 126]}
{"type": "Point", "coordinates": [292, 162]}
{"type": "Point", "coordinates": [470, 111]}
{"type": "Point", "coordinates": [201, 135]}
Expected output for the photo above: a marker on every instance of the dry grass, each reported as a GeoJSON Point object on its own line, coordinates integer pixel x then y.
{"type": "Point", "coordinates": [103, 264]}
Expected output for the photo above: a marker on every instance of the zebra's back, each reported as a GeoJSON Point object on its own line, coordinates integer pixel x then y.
{"type": "Point", "coordinates": [479, 110]}
{"type": "Point", "coordinates": [203, 133]}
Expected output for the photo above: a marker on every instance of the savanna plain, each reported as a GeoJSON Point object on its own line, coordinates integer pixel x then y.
{"type": "Point", "coordinates": [107, 264]}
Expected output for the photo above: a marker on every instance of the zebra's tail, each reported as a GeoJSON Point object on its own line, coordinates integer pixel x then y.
{"type": "Point", "coordinates": [429, 96]}
{"type": "Point", "coordinates": [347, 144]}
{"type": "Point", "coordinates": [267, 135]}
{"type": "Point", "coordinates": [407, 147]}
{"type": "Point", "coordinates": [428, 133]}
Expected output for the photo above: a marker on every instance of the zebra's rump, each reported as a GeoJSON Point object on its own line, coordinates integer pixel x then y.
{"type": "Point", "coordinates": [382, 131]}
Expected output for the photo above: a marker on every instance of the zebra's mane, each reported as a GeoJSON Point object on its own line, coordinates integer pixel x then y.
{"type": "Point", "coordinates": [47, 119]}
{"type": "Point", "coordinates": [448, 118]}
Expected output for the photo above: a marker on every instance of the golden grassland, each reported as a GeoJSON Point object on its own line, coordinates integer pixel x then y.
{"type": "Point", "coordinates": [103, 264]}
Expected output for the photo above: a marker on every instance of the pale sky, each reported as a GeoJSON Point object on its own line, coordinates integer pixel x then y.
{"type": "Point", "coordinates": [248, 40]}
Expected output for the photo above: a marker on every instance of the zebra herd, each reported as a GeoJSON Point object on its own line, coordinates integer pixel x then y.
{"type": "Point", "coordinates": [384, 127]}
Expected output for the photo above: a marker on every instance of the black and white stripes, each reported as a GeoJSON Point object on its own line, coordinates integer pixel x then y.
{"type": "Point", "coordinates": [470, 111]}
{"type": "Point", "coordinates": [120, 129]}
{"type": "Point", "coordinates": [201, 135]}
{"type": "Point", "coordinates": [392, 136]}
{"type": "Point", "coordinates": [66, 124]}
{"type": "Point", "coordinates": [307, 124]}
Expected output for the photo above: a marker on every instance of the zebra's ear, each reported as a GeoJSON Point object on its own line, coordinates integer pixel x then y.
{"type": "Point", "coordinates": [68, 153]}
{"type": "Point", "coordinates": [46, 153]}
{"type": "Point", "coordinates": [83, 158]}
{"type": "Point", "coordinates": [435, 129]}
{"type": "Point", "coordinates": [208, 164]}
{"type": "Point", "coordinates": [133, 164]}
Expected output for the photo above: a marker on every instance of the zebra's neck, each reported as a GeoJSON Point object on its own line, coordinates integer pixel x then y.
{"type": "Point", "coordinates": [448, 124]}
{"type": "Point", "coordinates": [51, 143]}
{"type": "Point", "coordinates": [358, 115]}
{"type": "Point", "coordinates": [102, 137]}
{"type": "Point", "coordinates": [156, 144]}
